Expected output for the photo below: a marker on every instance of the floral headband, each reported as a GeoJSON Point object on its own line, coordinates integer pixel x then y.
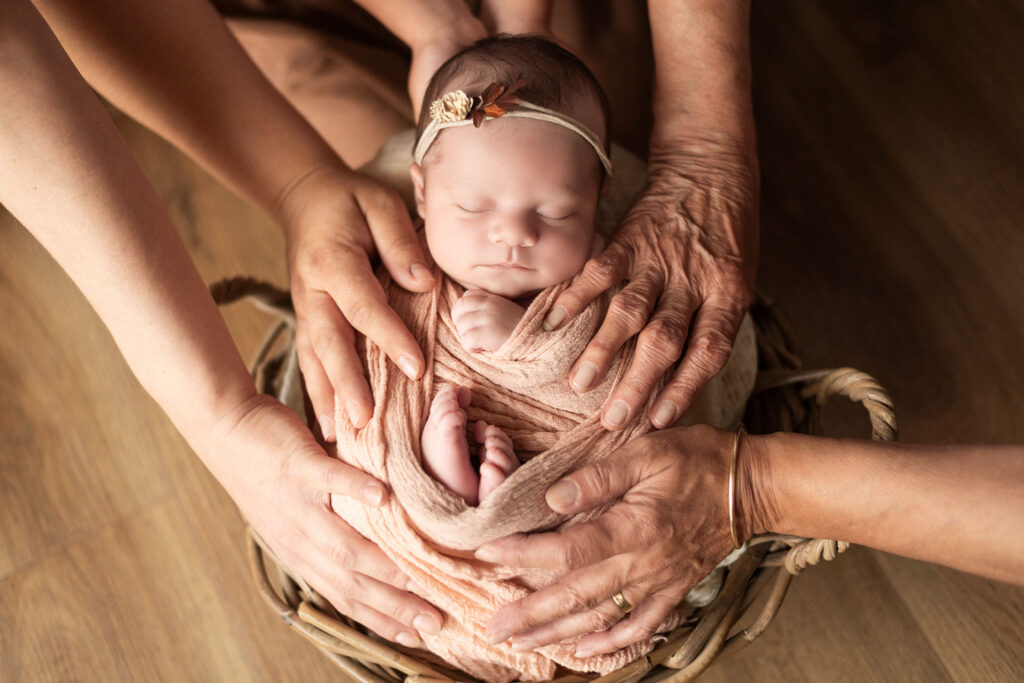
{"type": "Point", "coordinates": [459, 109]}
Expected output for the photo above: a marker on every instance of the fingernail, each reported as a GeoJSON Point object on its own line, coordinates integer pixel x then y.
{"type": "Point", "coordinates": [524, 645]}
{"type": "Point", "coordinates": [409, 366]}
{"type": "Point", "coordinates": [665, 414]}
{"type": "Point", "coordinates": [373, 494]}
{"type": "Point", "coordinates": [408, 639]}
{"type": "Point", "coordinates": [420, 272]}
{"type": "Point", "coordinates": [499, 637]}
{"type": "Point", "coordinates": [562, 495]}
{"type": "Point", "coordinates": [354, 412]}
{"type": "Point", "coordinates": [617, 414]}
{"type": "Point", "coordinates": [426, 623]}
{"type": "Point", "coordinates": [584, 376]}
{"type": "Point", "coordinates": [555, 318]}
{"type": "Point", "coordinates": [325, 426]}
{"type": "Point", "coordinates": [487, 554]}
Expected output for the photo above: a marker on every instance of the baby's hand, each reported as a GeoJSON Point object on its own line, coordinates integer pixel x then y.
{"type": "Point", "coordinates": [484, 320]}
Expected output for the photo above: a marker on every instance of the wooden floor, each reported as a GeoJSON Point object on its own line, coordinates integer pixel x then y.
{"type": "Point", "coordinates": [892, 141]}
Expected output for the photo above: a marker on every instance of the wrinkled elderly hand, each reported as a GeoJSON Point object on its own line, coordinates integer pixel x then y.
{"type": "Point", "coordinates": [668, 531]}
{"type": "Point", "coordinates": [335, 220]}
{"type": "Point", "coordinates": [688, 250]}
{"type": "Point", "coordinates": [269, 463]}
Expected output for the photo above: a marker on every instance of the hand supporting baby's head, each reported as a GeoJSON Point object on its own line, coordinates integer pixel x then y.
{"type": "Point", "coordinates": [510, 206]}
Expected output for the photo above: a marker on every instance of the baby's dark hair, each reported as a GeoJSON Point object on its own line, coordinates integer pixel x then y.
{"type": "Point", "coordinates": [554, 77]}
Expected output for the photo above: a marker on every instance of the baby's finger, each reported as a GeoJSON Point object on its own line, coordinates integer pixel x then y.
{"type": "Point", "coordinates": [659, 346]}
{"type": "Point", "coordinates": [361, 299]}
{"type": "Point", "coordinates": [333, 342]}
{"type": "Point", "coordinates": [599, 274]}
{"type": "Point", "coordinates": [321, 393]}
{"type": "Point", "coordinates": [711, 339]}
{"type": "Point", "coordinates": [627, 314]}
{"type": "Point", "coordinates": [393, 233]}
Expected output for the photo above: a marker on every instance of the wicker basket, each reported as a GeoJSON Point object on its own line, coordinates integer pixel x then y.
{"type": "Point", "coordinates": [786, 398]}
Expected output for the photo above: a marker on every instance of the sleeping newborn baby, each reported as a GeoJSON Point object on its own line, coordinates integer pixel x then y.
{"type": "Point", "coordinates": [510, 162]}
{"type": "Point", "coordinates": [509, 209]}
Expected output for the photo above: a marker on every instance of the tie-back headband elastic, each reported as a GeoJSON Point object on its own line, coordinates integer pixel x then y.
{"type": "Point", "coordinates": [459, 109]}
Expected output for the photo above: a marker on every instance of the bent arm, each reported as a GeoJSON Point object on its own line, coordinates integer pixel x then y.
{"type": "Point", "coordinates": [961, 506]}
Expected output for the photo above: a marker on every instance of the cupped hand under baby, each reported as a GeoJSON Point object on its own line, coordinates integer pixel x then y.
{"type": "Point", "coordinates": [484, 320]}
{"type": "Point", "coordinates": [270, 464]}
{"type": "Point", "coordinates": [687, 250]}
{"type": "Point", "coordinates": [669, 529]}
{"type": "Point", "coordinates": [335, 221]}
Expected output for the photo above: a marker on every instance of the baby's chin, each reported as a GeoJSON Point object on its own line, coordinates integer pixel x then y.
{"type": "Point", "coordinates": [510, 288]}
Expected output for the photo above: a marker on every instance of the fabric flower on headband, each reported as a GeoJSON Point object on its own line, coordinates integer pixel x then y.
{"type": "Point", "coordinates": [495, 101]}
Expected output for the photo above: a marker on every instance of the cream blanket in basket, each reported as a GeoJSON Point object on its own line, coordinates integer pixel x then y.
{"type": "Point", "coordinates": [429, 532]}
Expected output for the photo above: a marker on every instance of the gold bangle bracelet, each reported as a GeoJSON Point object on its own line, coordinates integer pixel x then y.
{"type": "Point", "coordinates": [740, 431]}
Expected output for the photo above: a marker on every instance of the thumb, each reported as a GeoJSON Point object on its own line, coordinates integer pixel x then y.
{"type": "Point", "coordinates": [399, 247]}
{"type": "Point", "coordinates": [320, 472]}
{"type": "Point", "coordinates": [590, 486]}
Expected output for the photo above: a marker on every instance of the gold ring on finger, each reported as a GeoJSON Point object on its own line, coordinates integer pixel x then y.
{"type": "Point", "coordinates": [625, 605]}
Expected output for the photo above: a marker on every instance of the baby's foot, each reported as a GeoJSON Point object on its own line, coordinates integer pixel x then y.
{"type": "Point", "coordinates": [497, 458]}
{"type": "Point", "coordinates": [444, 445]}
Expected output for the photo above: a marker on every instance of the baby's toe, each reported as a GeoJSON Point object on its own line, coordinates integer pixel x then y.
{"type": "Point", "coordinates": [491, 477]}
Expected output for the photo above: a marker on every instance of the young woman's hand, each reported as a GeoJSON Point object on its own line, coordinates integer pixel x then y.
{"type": "Point", "coordinates": [688, 251]}
{"type": "Point", "coordinates": [335, 221]}
{"type": "Point", "coordinates": [272, 467]}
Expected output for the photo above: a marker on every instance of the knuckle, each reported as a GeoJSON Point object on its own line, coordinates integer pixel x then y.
{"type": "Point", "coordinates": [630, 307]}
{"type": "Point", "coordinates": [601, 619]}
{"type": "Point", "coordinates": [324, 340]}
{"type": "Point", "coordinates": [661, 340]}
{"type": "Point", "coordinates": [571, 600]}
{"type": "Point", "coordinates": [360, 313]}
{"type": "Point", "coordinates": [636, 631]}
{"type": "Point", "coordinates": [711, 351]}
{"type": "Point", "coordinates": [343, 555]}
{"type": "Point", "coordinates": [571, 556]}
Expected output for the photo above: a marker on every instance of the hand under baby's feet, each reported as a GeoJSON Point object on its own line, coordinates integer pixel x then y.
{"type": "Point", "coordinates": [484, 320]}
{"type": "Point", "coordinates": [446, 449]}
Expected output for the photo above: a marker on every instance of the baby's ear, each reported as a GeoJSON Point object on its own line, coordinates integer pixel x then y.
{"type": "Point", "coordinates": [416, 173]}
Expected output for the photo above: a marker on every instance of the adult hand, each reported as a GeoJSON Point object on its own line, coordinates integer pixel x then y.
{"type": "Point", "coordinates": [333, 218]}
{"type": "Point", "coordinates": [668, 531]}
{"type": "Point", "coordinates": [282, 480]}
{"type": "Point", "coordinates": [688, 250]}
{"type": "Point", "coordinates": [432, 48]}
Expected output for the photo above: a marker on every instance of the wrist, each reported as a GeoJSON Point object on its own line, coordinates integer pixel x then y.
{"type": "Point", "coordinates": [453, 32]}
{"type": "Point", "coordinates": [757, 501]}
{"type": "Point", "coordinates": [297, 191]}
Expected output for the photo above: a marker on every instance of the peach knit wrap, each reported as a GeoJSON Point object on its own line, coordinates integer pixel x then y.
{"type": "Point", "coordinates": [427, 530]}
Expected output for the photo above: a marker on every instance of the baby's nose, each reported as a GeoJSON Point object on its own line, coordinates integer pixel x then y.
{"type": "Point", "coordinates": [514, 231]}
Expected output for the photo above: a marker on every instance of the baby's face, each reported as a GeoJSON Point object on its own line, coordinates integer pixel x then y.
{"type": "Point", "coordinates": [509, 207]}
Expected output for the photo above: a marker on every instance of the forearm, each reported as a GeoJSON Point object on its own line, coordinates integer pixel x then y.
{"type": "Point", "coordinates": [962, 506]}
{"type": "Point", "coordinates": [177, 69]}
{"type": "Point", "coordinates": [702, 69]}
{"type": "Point", "coordinates": [70, 179]}
{"type": "Point", "coordinates": [415, 22]}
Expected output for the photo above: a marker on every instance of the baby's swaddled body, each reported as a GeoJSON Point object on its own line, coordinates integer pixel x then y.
{"type": "Point", "coordinates": [522, 387]}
